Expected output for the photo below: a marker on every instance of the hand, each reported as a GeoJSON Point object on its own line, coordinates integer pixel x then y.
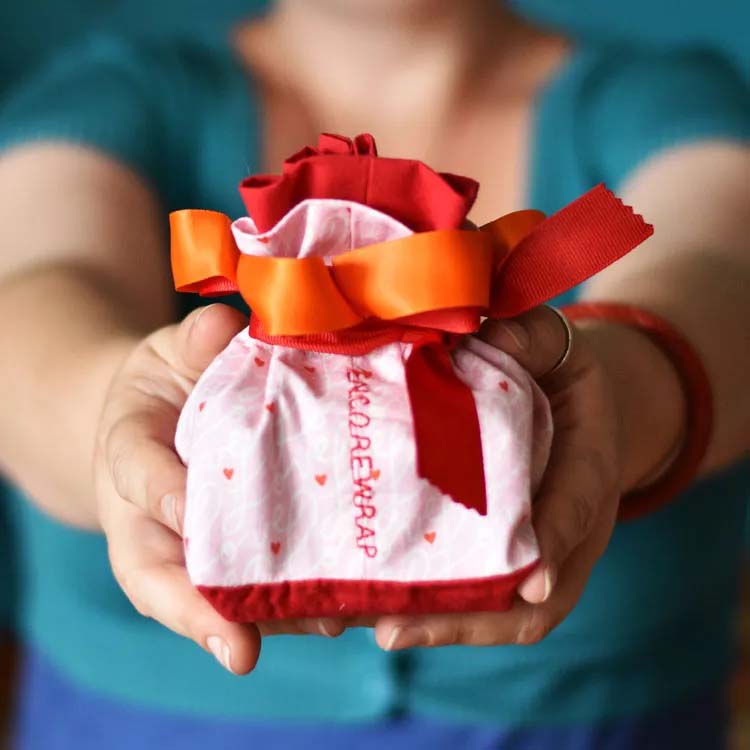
{"type": "Point", "coordinates": [576, 507]}
{"type": "Point", "coordinates": [140, 485]}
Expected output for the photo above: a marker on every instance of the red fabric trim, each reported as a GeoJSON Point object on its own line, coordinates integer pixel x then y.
{"type": "Point", "coordinates": [696, 387]}
{"type": "Point", "coordinates": [566, 249]}
{"type": "Point", "coordinates": [217, 286]}
{"type": "Point", "coordinates": [356, 341]}
{"type": "Point", "coordinates": [372, 334]}
{"type": "Point", "coordinates": [345, 598]}
{"type": "Point", "coordinates": [405, 189]}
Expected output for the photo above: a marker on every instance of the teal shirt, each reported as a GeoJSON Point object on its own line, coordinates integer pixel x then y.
{"type": "Point", "coordinates": [655, 622]}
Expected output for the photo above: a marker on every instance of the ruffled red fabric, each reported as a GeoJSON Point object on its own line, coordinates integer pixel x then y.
{"type": "Point", "coordinates": [407, 190]}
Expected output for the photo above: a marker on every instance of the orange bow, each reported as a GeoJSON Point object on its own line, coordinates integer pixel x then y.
{"type": "Point", "coordinates": [423, 273]}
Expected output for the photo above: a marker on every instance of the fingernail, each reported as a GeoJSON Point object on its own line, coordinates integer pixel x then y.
{"type": "Point", "coordinates": [507, 335]}
{"type": "Point", "coordinates": [408, 636]}
{"type": "Point", "coordinates": [169, 511]}
{"type": "Point", "coordinates": [538, 586]}
{"type": "Point", "coordinates": [201, 312]}
{"type": "Point", "coordinates": [517, 333]}
{"type": "Point", "coordinates": [220, 649]}
{"type": "Point", "coordinates": [326, 628]}
{"type": "Point", "coordinates": [550, 578]}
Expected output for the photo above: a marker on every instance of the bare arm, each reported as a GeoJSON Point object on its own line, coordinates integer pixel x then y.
{"type": "Point", "coordinates": [83, 275]}
{"type": "Point", "coordinates": [694, 272]}
{"type": "Point", "coordinates": [95, 385]}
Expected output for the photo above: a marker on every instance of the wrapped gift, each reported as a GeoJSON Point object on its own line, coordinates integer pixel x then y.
{"type": "Point", "coordinates": [356, 451]}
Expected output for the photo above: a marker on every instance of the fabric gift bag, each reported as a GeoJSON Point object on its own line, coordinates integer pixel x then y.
{"type": "Point", "coordinates": [356, 451]}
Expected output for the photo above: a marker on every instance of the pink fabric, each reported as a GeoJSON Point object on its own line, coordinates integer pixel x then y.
{"type": "Point", "coordinates": [273, 463]}
{"type": "Point", "coordinates": [318, 227]}
{"type": "Point", "coordinates": [301, 465]}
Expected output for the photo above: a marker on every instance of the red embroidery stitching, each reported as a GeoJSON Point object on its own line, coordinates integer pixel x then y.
{"type": "Point", "coordinates": [360, 460]}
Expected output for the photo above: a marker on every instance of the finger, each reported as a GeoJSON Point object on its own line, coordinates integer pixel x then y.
{"type": "Point", "coordinates": [198, 339]}
{"type": "Point", "coordinates": [576, 492]}
{"type": "Point", "coordinates": [522, 624]}
{"type": "Point", "coordinates": [580, 485]}
{"type": "Point", "coordinates": [536, 340]}
{"type": "Point", "coordinates": [328, 627]}
{"type": "Point", "coordinates": [147, 562]}
{"type": "Point", "coordinates": [143, 467]}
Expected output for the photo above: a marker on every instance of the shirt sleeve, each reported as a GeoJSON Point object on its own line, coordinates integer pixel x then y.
{"type": "Point", "coordinates": [107, 94]}
{"type": "Point", "coordinates": [632, 108]}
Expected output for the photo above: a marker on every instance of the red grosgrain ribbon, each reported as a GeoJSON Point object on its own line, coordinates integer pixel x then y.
{"type": "Point", "coordinates": [350, 306]}
{"type": "Point", "coordinates": [561, 252]}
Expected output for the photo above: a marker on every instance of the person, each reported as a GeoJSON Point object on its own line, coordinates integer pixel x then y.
{"type": "Point", "coordinates": [96, 151]}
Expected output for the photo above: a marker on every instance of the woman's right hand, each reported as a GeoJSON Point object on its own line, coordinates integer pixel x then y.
{"type": "Point", "coordinates": [140, 486]}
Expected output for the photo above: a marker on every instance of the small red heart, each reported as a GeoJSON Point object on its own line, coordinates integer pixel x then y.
{"type": "Point", "coordinates": [264, 240]}
{"type": "Point", "coordinates": [201, 406]}
{"type": "Point", "coordinates": [271, 407]}
{"type": "Point", "coordinates": [504, 385]}
{"type": "Point", "coordinates": [309, 369]}
{"type": "Point", "coordinates": [260, 362]}
{"type": "Point", "coordinates": [367, 373]}
{"type": "Point", "coordinates": [375, 473]}
{"type": "Point", "coordinates": [275, 547]}
{"type": "Point", "coordinates": [321, 479]}
{"type": "Point", "coordinates": [430, 536]}
{"type": "Point", "coordinates": [228, 473]}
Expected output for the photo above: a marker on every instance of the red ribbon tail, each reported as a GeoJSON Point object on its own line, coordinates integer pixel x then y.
{"type": "Point", "coordinates": [566, 249]}
{"type": "Point", "coordinates": [446, 427]}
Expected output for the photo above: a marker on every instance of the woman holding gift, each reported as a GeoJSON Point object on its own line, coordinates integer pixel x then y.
{"type": "Point", "coordinates": [95, 152]}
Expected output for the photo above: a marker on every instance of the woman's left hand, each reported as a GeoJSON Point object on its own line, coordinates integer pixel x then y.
{"type": "Point", "coordinates": [576, 507]}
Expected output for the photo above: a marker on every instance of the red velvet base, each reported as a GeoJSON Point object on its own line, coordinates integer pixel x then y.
{"type": "Point", "coordinates": [344, 598]}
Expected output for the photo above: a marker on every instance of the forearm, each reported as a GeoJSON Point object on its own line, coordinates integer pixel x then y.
{"type": "Point", "coordinates": [695, 274]}
{"type": "Point", "coordinates": [705, 298]}
{"type": "Point", "coordinates": [648, 394]}
{"type": "Point", "coordinates": [81, 279]}
{"type": "Point", "coordinates": [65, 334]}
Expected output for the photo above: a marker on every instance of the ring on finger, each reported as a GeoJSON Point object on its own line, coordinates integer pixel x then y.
{"type": "Point", "coordinates": [565, 355]}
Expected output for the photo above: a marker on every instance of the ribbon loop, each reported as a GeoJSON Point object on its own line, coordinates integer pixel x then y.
{"type": "Point", "coordinates": [203, 252]}
{"type": "Point", "coordinates": [564, 250]}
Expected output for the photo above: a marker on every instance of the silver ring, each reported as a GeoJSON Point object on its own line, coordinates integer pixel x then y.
{"type": "Point", "coordinates": [568, 342]}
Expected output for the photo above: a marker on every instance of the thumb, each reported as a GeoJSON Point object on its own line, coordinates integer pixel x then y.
{"type": "Point", "coordinates": [190, 347]}
{"type": "Point", "coordinates": [536, 340]}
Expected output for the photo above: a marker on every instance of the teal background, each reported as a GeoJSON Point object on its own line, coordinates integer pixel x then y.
{"type": "Point", "coordinates": [34, 29]}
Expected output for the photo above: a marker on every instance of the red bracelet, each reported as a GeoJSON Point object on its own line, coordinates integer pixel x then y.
{"type": "Point", "coordinates": [697, 390]}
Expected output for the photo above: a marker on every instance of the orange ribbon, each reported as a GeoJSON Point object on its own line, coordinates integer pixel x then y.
{"type": "Point", "coordinates": [388, 281]}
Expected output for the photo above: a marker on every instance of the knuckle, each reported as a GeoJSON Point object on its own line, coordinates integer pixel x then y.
{"type": "Point", "coordinates": [534, 628]}
{"type": "Point", "coordinates": [581, 509]}
{"type": "Point", "coordinates": [119, 473]}
{"type": "Point", "coordinates": [460, 632]}
{"type": "Point", "coordinates": [128, 583]}
{"type": "Point", "coordinates": [152, 494]}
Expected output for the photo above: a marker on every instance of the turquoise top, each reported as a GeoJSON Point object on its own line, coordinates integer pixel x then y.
{"type": "Point", "coordinates": [655, 623]}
